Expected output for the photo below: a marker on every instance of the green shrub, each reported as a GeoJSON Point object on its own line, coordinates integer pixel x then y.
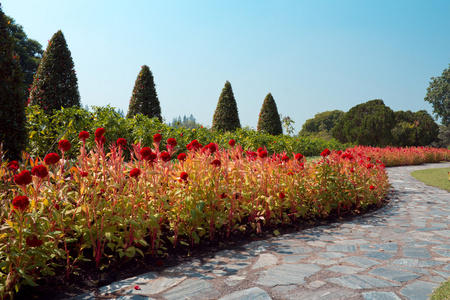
{"type": "Point", "coordinates": [226, 117]}
{"type": "Point", "coordinates": [269, 119]}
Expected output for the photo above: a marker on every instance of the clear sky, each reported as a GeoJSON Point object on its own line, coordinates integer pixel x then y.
{"type": "Point", "coordinates": [313, 56]}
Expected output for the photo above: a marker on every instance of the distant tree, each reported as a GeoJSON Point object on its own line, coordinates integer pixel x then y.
{"type": "Point", "coordinates": [321, 125]}
{"type": "Point", "coordinates": [12, 112]}
{"type": "Point", "coordinates": [185, 122]}
{"type": "Point", "coordinates": [368, 124]}
{"type": "Point", "coordinates": [226, 117]}
{"type": "Point", "coordinates": [55, 84]}
{"type": "Point", "coordinates": [269, 119]}
{"type": "Point", "coordinates": [144, 99]}
{"type": "Point", "coordinates": [414, 129]}
{"type": "Point", "coordinates": [29, 51]}
{"type": "Point", "coordinates": [120, 112]}
{"type": "Point", "coordinates": [438, 94]}
{"type": "Point", "coordinates": [443, 140]}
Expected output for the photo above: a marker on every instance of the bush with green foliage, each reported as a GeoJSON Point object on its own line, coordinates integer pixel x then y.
{"type": "Point", "coordinates": [368, 124]}
{"type": "Point", "coordinates": [269, 119]}
{"type": "Point", "coordinates": [144, 99]}
{"type": "Point", "coordinates": [12, 112]}
{"type": "Point", "coordinates": [55, 84]}
{"type": "Point", "coordinates": [226, 117]}
{"type": "Point", "coordinates": [438, 94]}
{"type": "Point", "coordinates": [46, 130]}
{"type": "Point", "coordinates": [414, 129]}
{"type": "Point", "coordinates": [321, 125]}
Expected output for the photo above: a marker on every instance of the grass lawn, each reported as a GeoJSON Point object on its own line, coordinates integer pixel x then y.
{"type": "Point", "coordinates": [434, 177]}
{"type": "Point", "coordinates": [438, 178]}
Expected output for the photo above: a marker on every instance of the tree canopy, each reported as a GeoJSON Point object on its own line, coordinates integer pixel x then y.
{"type": "Point", "coordinates": [55, 84]}
{"type": "Point", "coordinates": [368, 124]}
{"type": "Point", "coordinates": [12, 112]}
{"type": "Point", "coordinates": [414, 129]}
{"type": "Point", "coordinates": [226, 116]}
{"type": "Point", "coordinates": [269, 119]}
{"type": "Point", "coordinates": [144, 99]}
{"type": "Point", "coordinates": [438, 94]}
{"type": "Point", "coordinates": [321, 125]}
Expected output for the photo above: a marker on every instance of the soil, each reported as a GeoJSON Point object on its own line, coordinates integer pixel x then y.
{"type": "Point", "coordinates": [90, 278]}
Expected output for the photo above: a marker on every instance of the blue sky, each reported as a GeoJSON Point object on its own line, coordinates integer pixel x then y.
{"type": "Point", "coordinates": [313, 56]}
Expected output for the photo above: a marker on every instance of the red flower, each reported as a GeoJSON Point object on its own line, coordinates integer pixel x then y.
{"type": "Point", "coordinates": [84, 135]}
{"type": "Point", "coordinates": [260, 149]}
{"type": "Point", "coordinates": [20, 202]}
{"type": "Point", "coordinates": [157, 138]}
{"type": "Point", "coordinates": [136, 287]}
{"type": "Point", "coordinates": [172, 142]}
{"type": "Point", "coordinates": [262, 153]}
{"type": "Point", "coordinates": [99, 132]}
{"type": "Point", "coordinates": [369, 166]}
{"type": "Point", "coordinates": [135, 172]}
{"type": "Point", "coordinates": [285, 158]}
{"type": "Point", "coordinates": [39, 171]}
{"type": "Point", "coordinates": [121, 142]}
{"type": "Point", "coordinates": [298, 156]}
{"type": "Point", "coordinates": [212, 147]}
{"type": "Point", "coordinates": [182, 156]}
{"type": "Point", "coordinates": [223, 195]}
{"type": "Point", "coordinates": [152, 157]}
{"type": "Point", "coordinates": [64, 145]}
{"type": "Point", "coordinates": [23, 178]}
{"type": "Point", "coordinates": [184, 175]}
{"type": "Point", "coordinates": [371, 187]}
{"type": "Point", "coordinates": [145, 152]}
{"type": "Point", "coordinates": [51, 158]}
{"type": "Point", "coordinates": [84, 174]}
{"type": "Point", "coordinates": [165, 156]}
{"type": "Point", "coordinates": [13, 165]}
{"type": "Point", "coordinates": [232, 142]}
{"type": "Point", "coordinates": [290, 173]}
{"type": "Point", "coordinates": [282, 195]}
{"type": "Point", "coordinates": [216, 163]}
{"type": "Point", "coordinates": [33, 241]}
{"type": "Point", "coordinates": [325, 152]}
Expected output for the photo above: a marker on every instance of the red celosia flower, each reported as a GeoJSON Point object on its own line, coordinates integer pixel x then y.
{"type": "Point", "coordinates": [99, 132]}
{"type": "Point", "coordinates": [285, 158]}
{"type": "Point", "coordinates": [165, 156]}
{"type": "Point", "coordinates": [13, 165]}
{"type": "Point", "coordinates": [182, 156]}
{"type": "Point", "coordinates": [298, 156]}
{"type": "Point", "coordinates": [33, 241]}
{"type": "Point", "coordinates": [64, 145]}
{"type": "Point", "coordinates": [51, 158]}
{"type": "Point", "coordinates": [290, 173]}
{"type": "Point", "coordinates": [212, 147]}
{"type": "Point", "coordinates": [282, 195]}
{"type": "Point", "coordinates": [371, 187]}
{"type": "Point", "coordinates": [172, 142]}
{"type": "Point", "coordinates": [39, 171]}
{"type": "Point", "coordinates": [121, 142]}
{"type": "Point", "coordinates": [84, 174]}
{"type": "Point", "coordinates": [325, 152]}
{"type": "Point", "coordinates": [145, 152]}
{"type": "Point", "coordinates": [100, 140]}
{"type": "Point", "coordinates": [152, 157]}
{"type": "Point", "coordinates": [84, 135]}
{"type": "Point", "coordinates": [262, 153]}
{"type": "Point", "coordinates": [223, 195]}
{"type": "Point", "coordinates": [23, 178]}
{"type": "Point", "coordinates": [135, 172]}
{"type": "Point", "coordinates": [20, 202]}
{"type": "Point", "coordinates": [216, 163]}
{"type": "Point", "coordinates": [184, 175]}
{"type": "Point", "coordinates": [232, 142]}
{"type": "Point", "coordinates": [369, 166]}
{"type": "Point", "coordinates": [157, 138]}
{"type": "Point", "coordinates": [260, 149]}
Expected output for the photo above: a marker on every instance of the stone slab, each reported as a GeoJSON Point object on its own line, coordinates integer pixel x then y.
{"type": "Point", "coordinates": [361, 282]}
{"type": "Point", "coordinates": [192, 289]}
{"type": "Point", "coordinates": [380, 296]}
{"type": "Point", "coordinates": [265, 260]}
{"type": "Point", "coordinates": [418, 290]}
{"type": "Point", "coordinates": [287, 274]}
{"type": "Point", "coordinates": [254, 293]}
{"type": "Point", "coordinates": [393, 274]}
{"type": "Point", "coordinates": [341, 248]}
{"type": "Point", "coordinates": [361, 261]}
{"type": "Point", "coordinates": [345, 269]}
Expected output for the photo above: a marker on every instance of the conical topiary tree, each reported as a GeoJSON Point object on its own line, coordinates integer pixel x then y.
{"type": "Point", "coordinates": [269, 119]}
{"type": "Point", "coordinates": [226, 117]}
{"type": "Point", "coordinates": [144, 99]}
{"type": "Point", "coordinates": [55, 84]}
{"type": "Point", "coordinates": [12, 111]}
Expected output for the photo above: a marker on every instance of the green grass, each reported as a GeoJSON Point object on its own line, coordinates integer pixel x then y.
{"type": "Point", "coordinates": [442, 292]}
{"type": "Point", "coordinates": [434, 177]}
{"type": "Point", "coordinates": [438, 178]}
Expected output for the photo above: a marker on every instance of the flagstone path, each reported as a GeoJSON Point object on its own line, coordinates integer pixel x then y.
{"type": "Point", "coordinates": [401, 251]}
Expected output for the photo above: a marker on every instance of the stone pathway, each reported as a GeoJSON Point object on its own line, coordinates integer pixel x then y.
{"type": "Point", "coordinates": [399, 252]}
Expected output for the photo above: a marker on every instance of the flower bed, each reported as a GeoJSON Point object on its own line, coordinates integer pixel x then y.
{"type": "Point", "coordinates": [102, 206]}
